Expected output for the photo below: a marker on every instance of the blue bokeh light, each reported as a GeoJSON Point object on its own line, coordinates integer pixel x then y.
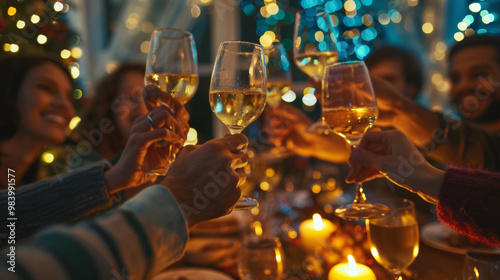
{"type": "Point", "coordinates": [333, 6]}
{"type": "Point", "coordinates": [361, 51]}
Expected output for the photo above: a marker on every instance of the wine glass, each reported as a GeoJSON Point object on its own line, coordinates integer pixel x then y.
{"type": "Point", "coordinates": [394, 239]}
{"type": "Point", "coordinates": [172, 65]}
{"type": "Point", "coordinates": [260, 259]}
{"type": "Point", "coordinates": [349, 108]}
{"type": "Point", "coordinates": [314, 48]}
{"type": "Point", "coordinates": [238, 90]}
{"type": "Point", "coordinates": [481, 264]}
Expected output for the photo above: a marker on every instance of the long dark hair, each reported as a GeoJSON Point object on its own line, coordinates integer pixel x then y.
{"type": "Point", "coordinates": [13, 72]}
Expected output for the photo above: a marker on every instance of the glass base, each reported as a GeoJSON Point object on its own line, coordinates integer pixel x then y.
{"type": "Point", "coordinates": [245, 203]}
{"type": "Point", "coordinates": [361, 211]}
{"type": "Point", "coordinates": [319, 127]}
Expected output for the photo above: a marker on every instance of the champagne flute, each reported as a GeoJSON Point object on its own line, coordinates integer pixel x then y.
{"type": "Point", "coordinates": [394, 239]}
{"type": "Point", "coordinates": [238, 90]}
{"type": "Point", "coordinates": [172, 65]}
{"type": "Point", "coordinates": [314, 48]}
{"type": "Point", "coordinates": [349, 108]}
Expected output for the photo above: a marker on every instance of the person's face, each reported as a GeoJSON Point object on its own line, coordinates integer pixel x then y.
{"type": "Point", "coordinates": [45, 104]}
{"type": "Point", "coordinates": [130, 95]}
{"type": "Point", "coordinates": [475, 83]}
{"type": "Point", "coordinates": [392, 71]}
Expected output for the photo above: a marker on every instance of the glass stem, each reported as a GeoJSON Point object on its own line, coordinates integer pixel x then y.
{"type": "Point", "coordinates": [396, 275]}
{"type": "Point", "coordinates": [360, 195]}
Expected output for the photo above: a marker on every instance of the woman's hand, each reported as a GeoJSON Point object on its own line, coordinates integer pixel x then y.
{"type": "Point", "coordinates": [287, 124]}
{"type": "Point", "coordinates": [129, 171]}
{"type": "Point", "coordinates": [391, 154]}
{"type": "Point", "coordinates": [204, 179]}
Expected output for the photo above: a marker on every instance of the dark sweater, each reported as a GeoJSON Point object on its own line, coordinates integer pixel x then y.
{"type": "Point", "coordinates": [469, 202]}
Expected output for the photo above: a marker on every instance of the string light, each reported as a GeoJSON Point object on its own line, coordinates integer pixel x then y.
{"type": "Point", "coordinates": [20, 24]}
{"type": "Point", "coordinates": [14, 48]}
{"type": "Point", "coordinates": [58, 6]}
{"type": "Point", "coordinates": [65, 54]}
{"type": "Point", "coordinates": [427, 28]}
{"type": "Point", "coordinates": [41, 39]}
{"type": "Point", "coordinates": [11, 11]}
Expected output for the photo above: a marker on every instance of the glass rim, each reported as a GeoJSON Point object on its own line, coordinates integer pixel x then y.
{"type": "Point", "coordinates": [346, 63]}
{"type": "Point", "coordinates": [185, 33]}
{"type": "Point", "coordinates": [397, 204]}
{"type": "Point", "coordinates": [319, 9]}
{"type": "Point", "coordinates": [254, 45]}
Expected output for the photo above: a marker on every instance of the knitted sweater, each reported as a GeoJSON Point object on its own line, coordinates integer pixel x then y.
{"type": "Point", "coordinates": [469, 202]}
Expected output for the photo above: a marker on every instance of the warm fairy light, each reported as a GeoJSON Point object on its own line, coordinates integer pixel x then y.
{"type": "Point", "coordinates": [384, 19]}
{"type": "Point", "coordinates": [267, 38]}
{"type": "Point", "coordinates": [6, 47]}
{"type": "Point", "coordinates": [192, 137]}
{"type": "Point", "coordinates": [316, 188]}
{"type": "Point", "coordinates": [316, 174]}
{"type": "Point", "coordinates": [35, 19]}
{"type": "Point", "coordinates": [309, 99]}
{"type": "Point", "coordinates": [264, 186]}
{"type": "Point", "coordinates": [319, 36]}
{"type": "Point", "coordinates": [14, 48]}
{"type": "Point", "coordinates": [462, 26]}
{"type": "Point", "coordinates": [469, 32]}
{"type": "Point", "coordinates": [74, 122]}
{"type": "Point", "coordinates": [475, 7]}
{"type": "Point", "coordinates": [459, 36]}
{"type": "Point", "coordinates": [11, 11]}
{"type": "Point", "coordinates": [290, 96]}
{"type": "Point", "coordinates": [75, 72]}
{"type": "Point", "coordinates": [58, 6]}
{"type": "Point", "coordinates": [47, 157]}
{"type": "Point", "coordinates": [65, 54]}
{"type": "Point", "coordinates": [205, 2]}
{"type": "Point", "coordinates": [270, 172]}
{"type": "Point", "coordinates": [350, 6]}
{"type": "Point", "coordinates": [396, 17]}
{"type": "Point", "coordinates": [257, 228]}
{"type": "Point", "coordinates": [77, 94]}
{"type": "Point", "coordinates": [76, 52]}
{"type": "Point", "coordinates": [20, 24]}
{"type": "Point", "coordinates": [41, 39]}
{"type": "Point", "coordinates": [317, 221]}
{"type": "Point", "coordinates": [427, 28]}
{"type": "Point", "coordinates": [272, 9]}
{"type": "Point", "coordinates": [412, 3]}
{"type": "Point", "coordinates": [195, 11]}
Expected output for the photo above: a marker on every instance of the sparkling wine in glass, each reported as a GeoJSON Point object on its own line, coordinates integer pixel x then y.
{"type": "Point", "coordinates": [172, 65]}
{"type": "Point", "coordinates": [314, 48]}
{"type": "Point", "coordinates": [394, 238]}
{"type": "Point", "coordinates": [349, 109]}
{"type": "Point", "coordinates": [238, 90]}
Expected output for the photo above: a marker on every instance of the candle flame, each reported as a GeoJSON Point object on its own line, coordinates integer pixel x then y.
{"type": "Point", "coordinates": [317, 222]}
{"type": "Point", "coordinates": [352, 263]}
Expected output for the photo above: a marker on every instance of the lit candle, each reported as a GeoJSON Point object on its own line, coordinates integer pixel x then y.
{"type": "Point", "coordinates": [351, 271]}
{"type": "Point", "coordinates": [314, 233]}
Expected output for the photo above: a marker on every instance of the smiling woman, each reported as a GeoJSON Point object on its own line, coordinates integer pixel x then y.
{"type": "Point", "coordinates": [35, 109]}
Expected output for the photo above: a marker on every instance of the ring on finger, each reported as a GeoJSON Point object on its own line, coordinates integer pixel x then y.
{"type": "Point", "coordinates": [151, 122]}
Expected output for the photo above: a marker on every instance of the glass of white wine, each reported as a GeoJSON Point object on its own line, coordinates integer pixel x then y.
{"type": "Point", "coordinates": [315, 47]}
{"type": "Point", "coordinates": [172, 65]}
{"type": "Point", "coordinates": [349, 109]}
{"type": "Point", "coordinates": [238, 90]}
{"type": "Point", "coordinates": [394, 238]}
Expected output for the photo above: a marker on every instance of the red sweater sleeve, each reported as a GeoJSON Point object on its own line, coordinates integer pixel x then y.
{"type": "Point", "coordinates": [469, 202]}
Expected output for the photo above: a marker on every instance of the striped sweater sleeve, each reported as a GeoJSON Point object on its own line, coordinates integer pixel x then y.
{"type": "Point", "coordinates": [135, 241]}
{"type": "Point", "coordinates": [58, 199]}
{"type": "Point", "coordinates": [469, 202]}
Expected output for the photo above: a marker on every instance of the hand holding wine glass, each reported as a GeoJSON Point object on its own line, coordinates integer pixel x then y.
{"type": "Point", "coordinates": [172, 65]}
{"type": "Point", "coordinates": [238, 89]}
{"type": "Point", "coordinates": [349, 108]}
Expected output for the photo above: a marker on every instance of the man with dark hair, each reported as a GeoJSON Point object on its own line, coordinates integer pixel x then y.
{"type": "Point", "coordinates": [399, 67]}
{"type": "Point", "coordinates": [471, 142]}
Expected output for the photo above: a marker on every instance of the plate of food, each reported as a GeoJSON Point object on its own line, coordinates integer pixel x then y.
{"type": "Point", "coordinates": [192, 273]}
{"type": "Point", "coordinates": [442, 237]}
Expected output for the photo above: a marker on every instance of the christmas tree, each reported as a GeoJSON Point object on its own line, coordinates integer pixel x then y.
{"type": "Point", "coordinates": [37, 27]}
